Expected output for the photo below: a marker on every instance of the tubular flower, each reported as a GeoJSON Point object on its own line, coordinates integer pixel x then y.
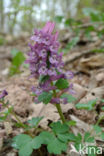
{"type": "Point", "coordinates": [44, 60]}
{"type": "Point", "coordinates": [43, 57]}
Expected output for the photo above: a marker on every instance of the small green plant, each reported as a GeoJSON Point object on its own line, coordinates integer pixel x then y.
{"type": "Point", "coordinates": [18, 59]}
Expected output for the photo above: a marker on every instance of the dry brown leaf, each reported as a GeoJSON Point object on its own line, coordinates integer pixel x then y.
{"type": "Point", "coordinates": [92, 62]}
{"type": "Point", "coordinates": [8, 127]}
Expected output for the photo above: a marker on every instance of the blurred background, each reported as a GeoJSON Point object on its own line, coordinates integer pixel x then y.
{"type": "Point", "coordinates": [18, 16]}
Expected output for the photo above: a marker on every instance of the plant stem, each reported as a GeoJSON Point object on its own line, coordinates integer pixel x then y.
{"type": "Point", "coordinates": [18, 120]}
{"type": "Point", "coordinates": [59, 108]}
{"type": "Point", "coordinates": [60, 112]}
{"type": "Point", "coordinates": [99, 120]}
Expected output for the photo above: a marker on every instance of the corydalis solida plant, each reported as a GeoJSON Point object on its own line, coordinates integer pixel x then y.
{"type": "Point", "coordinates": [46, 64]}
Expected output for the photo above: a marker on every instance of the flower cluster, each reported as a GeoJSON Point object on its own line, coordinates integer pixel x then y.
{"type": "Point", "coordinates": [44, 59]}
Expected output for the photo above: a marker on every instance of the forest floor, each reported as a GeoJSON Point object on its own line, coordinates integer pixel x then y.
{"type": "Point", "coordinates": [88, 68]}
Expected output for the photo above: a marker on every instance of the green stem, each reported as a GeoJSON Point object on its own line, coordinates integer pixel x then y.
{"type": "Point", "coordinates": [18, 120]}
{"type": "Point", "coordinates": [99, 120]}
{"type": "Point", "coordinates": [60, 112]}
{"type": "Point", "coordinates": [59, 107]}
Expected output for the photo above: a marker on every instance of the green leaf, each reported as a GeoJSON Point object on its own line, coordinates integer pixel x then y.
{"type": "Point", "coordinates": [88, 138]}
{"type": "Point", "coordinates": [43, 78]}
{"type": "Point", "coordinates": [65, 137]}
{"type": "Point", "coordinates": [58, 19]}
{"type": "Point", "coordinates": [56, 146]}
{"type": "Point", "coordinates": [102, 108]}
{"type": "Point", "coordinates": [20, 140]}
{"type": "Point", "coordinates": [58, 127]}
{"type": "Point", "coordinates": [72, 43]}
{"type": "Point", "coordinates": [102, 100]}
{"type": "Point", "coordinates": [26, 149]}
{"type": "Point", "coordinates": [45, 97]}
{"type": "Point", "coordinates": [35, 121]}
{"type": "Point", "coordinates": [25, 144]}
{"type": "Point", "coordinates": [79, 138]}
{"type": "Point", "coordinates": [51, 141]}
{"type": "Point", "coordinates": [37, 142]}
{"type": "Point", "coordinates": [89, 106]}
{"type": "Point", "coordinates": [18, 59]}
{"type": "Point", "coordinates": [69, 21]}
{"type": "Point", "coordinates": [5, 114]}
{"type": "Point", "coordinates": [70, 98]}
{"type": "Point", "coordinates": [46, 137]}
{"type": "Point", "coordinates": [72, 137]}
{"type": "Point", "coordinates": [102, 135]}
{"type": "Point", "coordinates": [97, 129]}
{"type": "Point", "coordinates": [62, 84]}
{"type": "Point", "coordinates": [98, 50]}
{"type": "Point", "coordinates": [2, 118]}
{"type": "Point", "coordinates": [71, 123]}
{"type": "Point", "coordinates": [14, 52]}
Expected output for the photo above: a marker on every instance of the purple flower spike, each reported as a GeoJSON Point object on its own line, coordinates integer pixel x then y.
{"type": "Point", "coordinates": [3, 94]}
{"type": "Point", "coordinates": [46, 63]}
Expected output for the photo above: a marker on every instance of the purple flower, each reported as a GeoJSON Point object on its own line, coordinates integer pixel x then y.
{"type": "Point", "coordinates": [36, 90]}
{"type": "Point", "coordinates": [43, 70]}
{"type": "Point", "coordinates": [64, 100]}
{"type": "Point", "coordinates": [46, 86]}
{"type": "Point", "coordinates": [45, 61]}
{"type": "Point", "coordinates": [69, 75]}
{"type": "Point", "coordinates": [70, 89]}
{"type": "Point", "coordinates": [54, 59]}
{"type": "Point", "coordinates": [3, 94]}
{"type": "Point", "coordinates": [43, 53]}
{"type": "Point", "coordinates": [55, 100]}
{"type": "Point", "coordinates": [52, 71]}
{"type": "Point", "coordinates": [59, 100]}
{"type": "Point", "coordinates": [49, 27]}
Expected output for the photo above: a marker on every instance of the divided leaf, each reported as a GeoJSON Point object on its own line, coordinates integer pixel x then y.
{"type": "Point", "coordinates": [35, 121]}
{"type": "Point", "coordinates": [58, 127]}
{"type": "Point", "coordinates": [25, 144]}
{"type": "Point", "coordinates": [45, 97]}
{"type": "Point", "coordinates": [88, 138]}
{"type": "Point", "coordinates": [62, 84]}
{"type": "Point", "coordinates": [97, 129]}
{"type": "Point", "coordinates": [56, 147]}
{"type": "Point", "coordinates": [89, 106]}
{"type": "Point", "coordinates": [70, 98]}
